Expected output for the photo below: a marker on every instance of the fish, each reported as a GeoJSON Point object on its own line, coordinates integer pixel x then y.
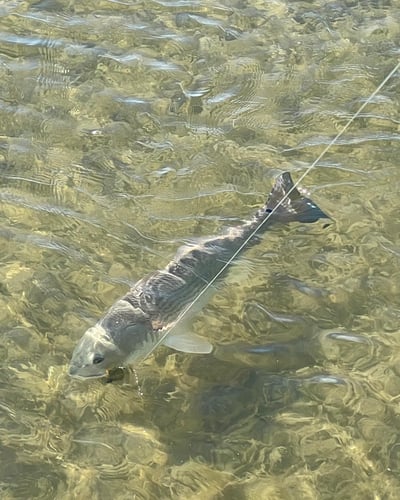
{"type": "Point", "coordinates": [158, 308]}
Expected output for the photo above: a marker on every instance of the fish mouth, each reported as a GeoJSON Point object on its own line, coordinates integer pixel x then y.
{"type": "Point", "coordinates": [74, 373]}
{"type": "Point", "coordinates": [110, 375]}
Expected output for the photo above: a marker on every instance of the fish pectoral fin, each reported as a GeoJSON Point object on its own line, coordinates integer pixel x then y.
{"type": "Point", "coordinates": [188, 342]}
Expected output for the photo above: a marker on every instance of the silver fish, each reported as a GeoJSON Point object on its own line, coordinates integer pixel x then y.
{"type": "Point", "coordinates": [151, 312]}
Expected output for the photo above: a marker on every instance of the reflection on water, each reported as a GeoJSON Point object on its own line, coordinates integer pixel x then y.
{"type": "Point", "coordinates": [127, 128]}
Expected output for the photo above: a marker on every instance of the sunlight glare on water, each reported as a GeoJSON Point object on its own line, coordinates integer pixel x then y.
{"type": "Point", "coordinates": [128, 128]}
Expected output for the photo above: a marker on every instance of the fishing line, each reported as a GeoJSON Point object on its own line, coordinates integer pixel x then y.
{"type": "Point", "coordinates": [307, 171]}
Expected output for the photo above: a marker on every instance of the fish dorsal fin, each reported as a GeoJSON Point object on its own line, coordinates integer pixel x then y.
{"type": "Point", "coordinates": [188, 342]}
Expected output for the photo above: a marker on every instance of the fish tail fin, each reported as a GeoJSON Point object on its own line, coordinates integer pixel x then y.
{"type": "Point", "coordinates": [295, 206]}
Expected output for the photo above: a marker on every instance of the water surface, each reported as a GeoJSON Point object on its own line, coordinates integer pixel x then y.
{"type": "Point", "coordinates": [128, 127]}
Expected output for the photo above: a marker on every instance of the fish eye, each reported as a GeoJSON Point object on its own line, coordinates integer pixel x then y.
{"type": "Point", "coordinates": [98, 358]}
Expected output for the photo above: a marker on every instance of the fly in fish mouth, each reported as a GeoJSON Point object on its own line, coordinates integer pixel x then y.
{"type": "Point", "coordinates": [156, 310]}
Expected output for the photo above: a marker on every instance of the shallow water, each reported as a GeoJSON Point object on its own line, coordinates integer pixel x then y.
{"type": "Point", "coordinates": [128, 127]}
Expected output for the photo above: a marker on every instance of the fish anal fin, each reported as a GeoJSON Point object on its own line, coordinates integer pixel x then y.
{"type": "Point", "coordinates": [188, 342]}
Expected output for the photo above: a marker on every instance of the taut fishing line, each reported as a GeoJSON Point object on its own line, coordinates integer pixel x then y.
{"type": "Point", "coordinates": [307, 171]}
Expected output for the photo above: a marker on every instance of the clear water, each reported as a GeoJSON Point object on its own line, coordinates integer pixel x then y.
{"type": "Point", "coordinates": [127, 127]}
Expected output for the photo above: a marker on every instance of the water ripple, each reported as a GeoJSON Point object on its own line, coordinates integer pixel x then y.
{"type": "Point", "coordinates": [127, 128]}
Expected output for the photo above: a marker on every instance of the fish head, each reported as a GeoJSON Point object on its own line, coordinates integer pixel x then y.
{"type": "Point", "coordinates": [94, 354]}
{"type": "Point", "coordinates": [124, 335]}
